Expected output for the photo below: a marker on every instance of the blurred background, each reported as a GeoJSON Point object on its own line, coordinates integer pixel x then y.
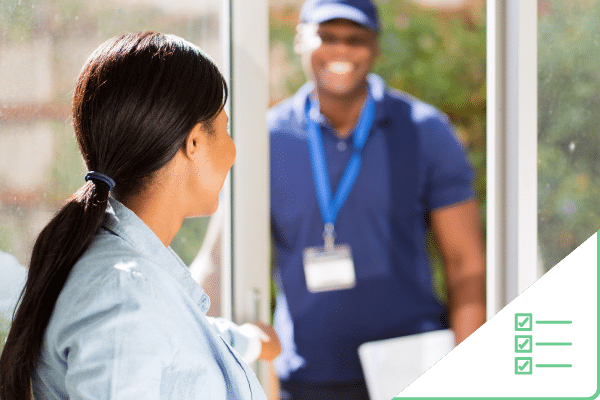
{"type": "Point", "coordinates": [433, 49]}
{"type": "Point", "coordinates": [568, 120]}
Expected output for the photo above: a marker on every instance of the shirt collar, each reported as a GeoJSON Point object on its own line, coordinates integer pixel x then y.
{"type": "Point", "coordinates": [128, 226]}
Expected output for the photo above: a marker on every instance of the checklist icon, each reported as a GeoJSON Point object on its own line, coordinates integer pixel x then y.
{"type": "Point", "coordinates": [523, 365]}
{"type": "Point", "coordinates": [523, 322]}
{"type": "Point", "coordinates": [523, 344]}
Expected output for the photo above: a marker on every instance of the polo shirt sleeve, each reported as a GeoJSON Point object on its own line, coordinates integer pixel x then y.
{"type": "Point", "coordinates": [448, 172]}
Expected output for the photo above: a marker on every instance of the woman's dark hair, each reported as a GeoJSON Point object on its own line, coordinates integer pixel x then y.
{"type": "Point", "coordinates": [137, 98]}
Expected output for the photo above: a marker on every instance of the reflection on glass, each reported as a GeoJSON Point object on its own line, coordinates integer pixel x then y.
{"type": "Point", "coordinates": [568, 121]}
{"type": "Point", "coordinates": [43, 44]}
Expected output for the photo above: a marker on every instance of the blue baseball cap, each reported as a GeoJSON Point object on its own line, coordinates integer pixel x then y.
{"type": "Point", "coordinates": [363, 12]}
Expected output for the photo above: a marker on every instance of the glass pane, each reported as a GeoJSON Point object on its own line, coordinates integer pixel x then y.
{"type": "Point", "coordinates": [43, 45]}
{"type": "Point", "coordinates": [568, 120]}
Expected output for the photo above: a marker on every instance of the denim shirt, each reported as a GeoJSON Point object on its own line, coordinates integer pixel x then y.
{"type": "Point", "coordinates": [130, 323]}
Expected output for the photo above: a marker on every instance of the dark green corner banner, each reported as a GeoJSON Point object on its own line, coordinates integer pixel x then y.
{"type": "Point", "coordinates": [542, 345]}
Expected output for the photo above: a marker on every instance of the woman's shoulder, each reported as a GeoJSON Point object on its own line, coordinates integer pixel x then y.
{"type": "Point", "coordinates": [110, 260]}
{"type": "Point", "coordinates": [110, 272]}
{"type": "Point", "coordinates": [110, 280]}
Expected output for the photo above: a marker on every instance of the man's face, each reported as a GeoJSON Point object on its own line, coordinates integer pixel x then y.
{"type": "Point", "coordinates": [344, 58]}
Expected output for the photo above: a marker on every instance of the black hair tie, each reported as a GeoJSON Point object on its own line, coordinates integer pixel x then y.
{"type": "Point", "coordinates": [99, 176]}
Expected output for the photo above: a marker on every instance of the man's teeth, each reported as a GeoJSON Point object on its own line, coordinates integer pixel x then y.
{"type": "Point", "coordinates": [340, 67]}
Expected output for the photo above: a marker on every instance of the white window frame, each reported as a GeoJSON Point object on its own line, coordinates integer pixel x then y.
{"type": "Point", "coordinates": [246, 244]}
{"type": "Point", "coordinates": [512, 244]}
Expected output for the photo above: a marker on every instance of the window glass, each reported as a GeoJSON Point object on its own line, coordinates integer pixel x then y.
{"type": "Point", "coordinates": [568, 121]}
{"type": "Point", "coordinates": [43, 45]}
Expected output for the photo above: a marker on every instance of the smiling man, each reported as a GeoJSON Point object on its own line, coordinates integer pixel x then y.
{"type": "Point", "coordinates": [359, 174]}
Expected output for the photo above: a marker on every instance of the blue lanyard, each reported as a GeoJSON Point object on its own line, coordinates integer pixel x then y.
{"type": "Point", "coordinates": [330, 209]}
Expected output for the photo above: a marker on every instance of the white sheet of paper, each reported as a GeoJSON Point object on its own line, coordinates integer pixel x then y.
{"type": "Point", "coordinates": [391, 365]}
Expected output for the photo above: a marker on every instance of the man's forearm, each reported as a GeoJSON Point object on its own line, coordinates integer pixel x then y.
{"type": "Point", "coordinates": [466, 305]}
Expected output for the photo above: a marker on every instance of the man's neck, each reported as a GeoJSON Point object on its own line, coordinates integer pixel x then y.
{"type": "Point", "coordinates": [342, 111]}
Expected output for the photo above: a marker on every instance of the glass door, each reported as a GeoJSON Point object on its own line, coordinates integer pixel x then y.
{"type": "Point", "coordinates": [568, 120]}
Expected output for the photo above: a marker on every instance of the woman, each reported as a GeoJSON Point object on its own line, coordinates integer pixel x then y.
{"type": "Point", "coordinates": [109, 310]}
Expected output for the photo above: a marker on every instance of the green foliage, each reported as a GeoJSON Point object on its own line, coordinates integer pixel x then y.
{"type": "Point", "coordinates": [568, 145]}
{"type": "Point", "coordinates": [438, 58]}
{"type": "Point", "coordinates": [189, 239]}
{"type": "Point", "coordinates": [17, 20]}
{"type": "Point", "coordinates": [67, 170]}
{"type": "Point", "coordinates": [281, 36]}
{"type": "Point", "coordinates": [5, 239]}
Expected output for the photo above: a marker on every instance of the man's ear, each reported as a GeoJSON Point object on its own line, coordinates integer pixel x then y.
{"type": "Point", "coordinates": [307, 38]}
{"type": "Point", "coordinates": [195, 140]}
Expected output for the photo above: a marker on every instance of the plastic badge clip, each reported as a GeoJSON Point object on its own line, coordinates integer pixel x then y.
{"type": "Point", "coordinates": [329, 236]}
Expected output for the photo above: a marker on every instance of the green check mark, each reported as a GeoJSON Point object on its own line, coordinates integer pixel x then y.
{"type": "Point", "coordinates": [523, 365]}
{"type": "Point", "coordinates": [523, 321]}
{"type": "Point", "coordinates": [523, 344]}
{"type": "Point", "coordinates": [526, 364]}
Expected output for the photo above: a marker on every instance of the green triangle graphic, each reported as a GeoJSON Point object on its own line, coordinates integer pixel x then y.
{"type": "Point", "coordinates": [543, 344]}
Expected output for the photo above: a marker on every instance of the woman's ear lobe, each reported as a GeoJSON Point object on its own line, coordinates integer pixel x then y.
{"type": "Point", "coordinates": [194, 140]}
{"type": "Point", "coordinates": [190, 145]}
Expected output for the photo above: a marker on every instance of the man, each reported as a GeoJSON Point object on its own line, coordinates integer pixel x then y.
{"type": "Point", "coordinates": [359, 173]}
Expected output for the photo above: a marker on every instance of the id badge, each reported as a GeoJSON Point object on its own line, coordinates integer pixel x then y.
{"type": "Point", "coordinates": [331, 269]}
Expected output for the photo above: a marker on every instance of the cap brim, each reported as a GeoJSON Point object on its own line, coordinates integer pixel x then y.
{"type": "Point", "coordinates": [335, 11]}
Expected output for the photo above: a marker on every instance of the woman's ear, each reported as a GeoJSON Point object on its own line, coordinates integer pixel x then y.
{"type": "Point", "coordinates": [195, 140]}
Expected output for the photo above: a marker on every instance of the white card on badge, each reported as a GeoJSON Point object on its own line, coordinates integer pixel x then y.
{"type": "Point", "coordinates": [326, 270]}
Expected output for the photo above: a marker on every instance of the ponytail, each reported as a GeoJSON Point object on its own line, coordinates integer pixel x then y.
{"type": "Point", "coordinates": [137, 98]}
{"type": "Point", "coordinates": [56, 250]}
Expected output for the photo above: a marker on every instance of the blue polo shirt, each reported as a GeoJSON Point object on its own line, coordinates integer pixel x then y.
{"type": "Point", "coordinates": [412, 163]}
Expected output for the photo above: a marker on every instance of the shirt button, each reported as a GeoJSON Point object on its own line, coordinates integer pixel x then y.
{"type": "Point", "coordinates": [204, 303]}
{"type": "Point", "coordinates": [342, 146]}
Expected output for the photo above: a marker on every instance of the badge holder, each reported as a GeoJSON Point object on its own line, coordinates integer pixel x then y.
{"type": "Point", "coordinates": [330, 267]}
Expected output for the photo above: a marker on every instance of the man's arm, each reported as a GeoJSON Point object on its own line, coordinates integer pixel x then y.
{"type": "Point", "coordinates": [457, 234]}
